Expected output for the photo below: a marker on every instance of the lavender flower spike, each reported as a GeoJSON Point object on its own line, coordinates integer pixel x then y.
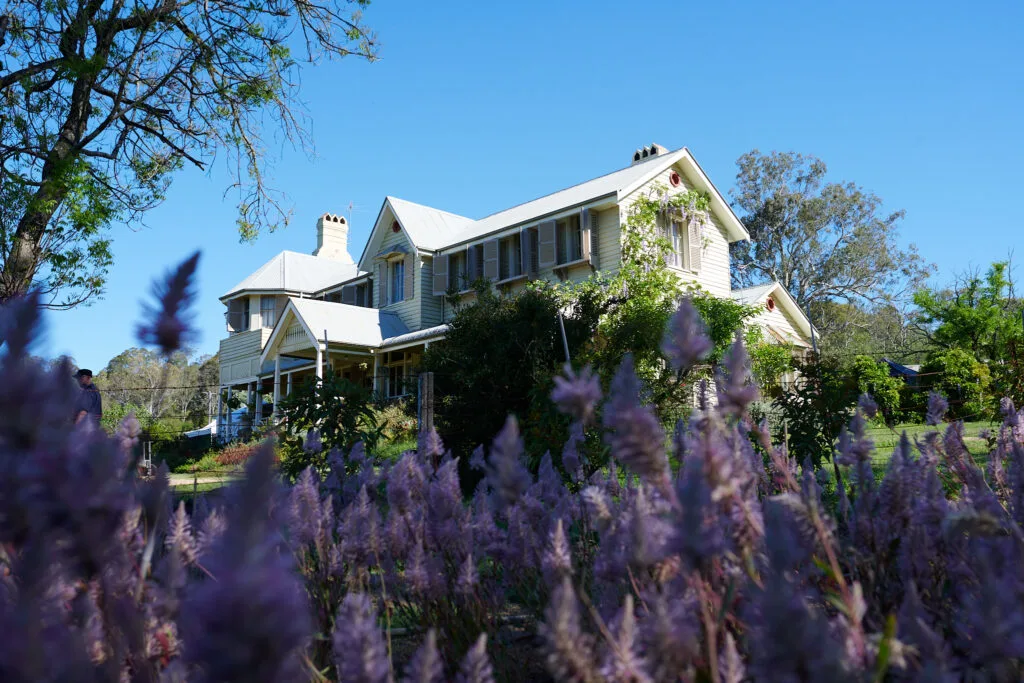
{"type": "Point", "coordinates": [426, 666]}
{"type": "Point", "coordinates": [168, 326]}
{"type": "Point", "coordinates": [359, 650]}
{"type": "Point", "coordinates": [937, 407]}
{"type": "Point", "coordinates": [476, 668]}
{"type": "Point", "coordinates": [686, 340]}
{"type": "Point", "coordinates": [557, 559]}
{"type": "Point", "coordinates": [577, 394]}
{"type": "Point", "coordinates": [635, 435]}
{"type": "Point", "coordinates": [736, 388]}
{"type": "Point", "coordinates": [506, 473]}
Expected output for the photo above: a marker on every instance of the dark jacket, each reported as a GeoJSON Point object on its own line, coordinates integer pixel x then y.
{"type": "Point", "coordinates": [91, 403]}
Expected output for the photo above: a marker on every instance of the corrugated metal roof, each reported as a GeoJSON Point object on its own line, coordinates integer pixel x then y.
{"type": "Point", "coordinates": [754, 295]}
{"type": "Point", "coordinates": [428, 333]}
{"type": "Point", "coordinates": [346, 324]}
{"type": "Point", "coordinates": [291, 271]}
{"type": "Point", "coordinates": [428, 228]}
{"type": "Point", "coordinates": [609, 184]}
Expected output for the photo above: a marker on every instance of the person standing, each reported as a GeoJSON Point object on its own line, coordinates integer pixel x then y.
{"type": "Point", "coordinates": [89, 405]}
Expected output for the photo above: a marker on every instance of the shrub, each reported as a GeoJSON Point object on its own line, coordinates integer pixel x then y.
{"type": "Point", "coordinates": [873, 378]}
{"type": "Point", "coordinates": [235, 454]}
{"type": "Point", "coordinates": [816, 408]}
{"type": "Point", "coordinates": [334, 412]}
{"type": "Point", "coordinates": [730, 566]}
{"type": "Point", "coordinates": [396, 420]}
{"type": "Point", "coordinates": [963, 380]}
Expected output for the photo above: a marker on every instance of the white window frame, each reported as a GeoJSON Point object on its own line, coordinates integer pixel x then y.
{"type": "Point", "coordinates": [458, 263]}
{"type": "Point", "coordinates": [568, 240]}
{"type": "Point", "coordinates": [396, 281]}
{"type": "Point", "coordinates": [510, 258]}
{"type": "Point", "coordinates": [265, 309]}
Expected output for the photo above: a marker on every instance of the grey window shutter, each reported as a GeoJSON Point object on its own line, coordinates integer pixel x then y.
{"type": "Point", "coordinates": [348, 295]}
{"type": "Point", "coordinates": [471, 266]}
{"type": "Point", "coordinates": [441, 274]}
{"type": "Point", "coordinates": [585, 234]}
{"type": "Point", "coordinates": [546, 244]}
{"type": "Point", "coordinates": [526, 252]}
{"type": "Point", "coordinates": [410, 276]}
{"type": "Point", "coordinates": [694, 242]}
{"type": "Point", "coordinates": [491, 259]}
{"type": "Point", "coordinates": [595, 250]}
{"type": "Point", "coordinates": [382, 285]}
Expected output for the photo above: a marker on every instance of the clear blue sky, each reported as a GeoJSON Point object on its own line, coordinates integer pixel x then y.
{"type": "Point", "coordinates": [474, 107]}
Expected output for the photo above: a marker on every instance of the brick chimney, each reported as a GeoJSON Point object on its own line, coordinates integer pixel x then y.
{"type": "Point", "coordinates": [332, 238]}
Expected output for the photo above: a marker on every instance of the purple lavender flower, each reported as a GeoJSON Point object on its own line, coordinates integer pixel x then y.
{"type": "Point", "coordinates": [735, 386]}
{"type": "Point", "coordinates": [476, 667]}
{"type": "Point", "coordinates": [635, 435]}
{"type": "Point", "coordinates": [570, 649]}
{"type": "Point", "coordinates": [867, 403]}
{"type": "Point", "coordinates": [505, 472]}
{"type": "Point", "coordinates": [686, 341]}
{"type": "Point", "coordinates": [304, 508]}
{"type": "Point", "coordinates": [252, 620]}
{"type": "Point", "coordinates": [425, 666]}
{"type": "Point", "coordinates": [577, 394]}
{"type": "Point", "coordinates": [429, 444]}
{"type": "Point", "coordinates": [313, 442]}
{"type": "Point", "coordinates": [557, 559]}
{"type": "Point", "coordinates": [623, 662]}
{"type": "Point", "coordinates": [468, 578]}
{"type": "Point", "coordinates": [937, 407]}
{"type": "Point", "coordinates": [169, 326]}
{"type": "Point", "coordinates": [359, 650]}
{"type": "Point", "coordinates": [179, 535]}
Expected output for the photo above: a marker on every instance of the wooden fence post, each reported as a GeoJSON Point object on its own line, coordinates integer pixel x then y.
{"type": "Point", "coordinates": [425, 399]}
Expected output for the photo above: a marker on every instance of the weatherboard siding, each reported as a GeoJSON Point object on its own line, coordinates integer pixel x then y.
{"type": "Point", "coordinates": [409, 309]}
{"type": "Point", "coordinates": [609, 241]}
{"type": "Point", "coordinates": [430, 305]}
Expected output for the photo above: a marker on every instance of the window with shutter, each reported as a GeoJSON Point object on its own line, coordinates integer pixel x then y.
{"type": "Point", "coordinates": [567, 240]}
{"type": "Point", "coordinates": [695, 245]}
{"type": "Point", "coordinates": [441, 262]}
{"type": "Point", "coordinates": [585, 234]}
{"type": "Point", "coordinates": [491, 260]}
{"type": "Point", "coordinates": [510, 257]}
{"type": "Point", "coordinates": [382, 285]}
{"type": "Point", "coordinates": [396, 281]}
{"type": "Point", "coordinates": [546, 244]}
{"type": "Point", "coordinates": [410, 276]}
{"type": "Point", "coordinates": [457, 276]}
{"type": "Point", "coordinates": [595, 245]}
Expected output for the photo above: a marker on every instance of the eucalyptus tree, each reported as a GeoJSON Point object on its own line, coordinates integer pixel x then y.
{"type": "Point", "coordinates": [101, 101]}
{"type": "Point", "coordinates": [824, 241]}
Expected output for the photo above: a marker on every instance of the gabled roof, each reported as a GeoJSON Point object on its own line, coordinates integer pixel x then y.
{"type": "Point", "coordinates": [432, 229]}
{"type": "Point", "coordinates": [292, 272]}
{"type": "Point", "coordinates": [344, 324]}
{"type": "Point", "coordinates": [428, 228]}
{"type": "Point", "coordinates": [758, 294]}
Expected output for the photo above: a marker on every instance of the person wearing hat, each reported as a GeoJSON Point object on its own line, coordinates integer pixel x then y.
{"type": "Point", "coordinates": [89, 405]}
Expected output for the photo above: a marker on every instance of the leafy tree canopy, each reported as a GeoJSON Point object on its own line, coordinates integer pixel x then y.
{"type": "Point", "coordinates": [823, 241]}
{"type": "Point", "coordinates": [100, 102]}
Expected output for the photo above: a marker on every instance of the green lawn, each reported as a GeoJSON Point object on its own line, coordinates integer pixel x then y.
{"type": "Point", "coordinates": [887, 439]}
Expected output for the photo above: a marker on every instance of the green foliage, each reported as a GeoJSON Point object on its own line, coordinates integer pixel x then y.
{"type": "Point", "coordinates": [822, 241]}
{"type": "Point", "coordinates": [980, 316]}
{"type": "Point", "coordinates": [499, 357]}
{"type": "Point", "coordinates": [769, 361]}
{"type": "Point", "coordinates": [965, 381]}
{"type": "Point", "coordinates": [397, 420]}
{"type": "Point", "coordinates": [873, 378]}
{"type": "Point", "coordinates": [101, 103]}
{"type": "Point", "coordinates": [816, 408]}
{"type": "Point", "coordinates": [341, 412]}
{"type": "Point", "coordinates": [644, 294]}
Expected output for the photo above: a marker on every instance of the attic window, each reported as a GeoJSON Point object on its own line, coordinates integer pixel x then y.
{"type": "Point", "coordinates": [394, 226]}
{"type": "Point", "coordinates": [770, 304]}
{"type": "Point", "coordinates": [674, 179]}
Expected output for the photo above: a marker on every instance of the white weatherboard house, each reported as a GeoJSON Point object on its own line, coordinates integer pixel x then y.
{"type": "Point", "coordinates": [370, 319]}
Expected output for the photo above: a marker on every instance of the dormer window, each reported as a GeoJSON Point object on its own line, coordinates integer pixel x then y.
{"type": "Point", "coordinates": [237, 315]}
{"type": "Point", "coordinates": [268, 311]}
{"type": "Point", "coordinates": [396, 281]}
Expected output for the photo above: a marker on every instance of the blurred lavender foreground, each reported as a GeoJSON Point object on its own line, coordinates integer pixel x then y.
{"type": "Point", "coordinates": [723, 562]}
